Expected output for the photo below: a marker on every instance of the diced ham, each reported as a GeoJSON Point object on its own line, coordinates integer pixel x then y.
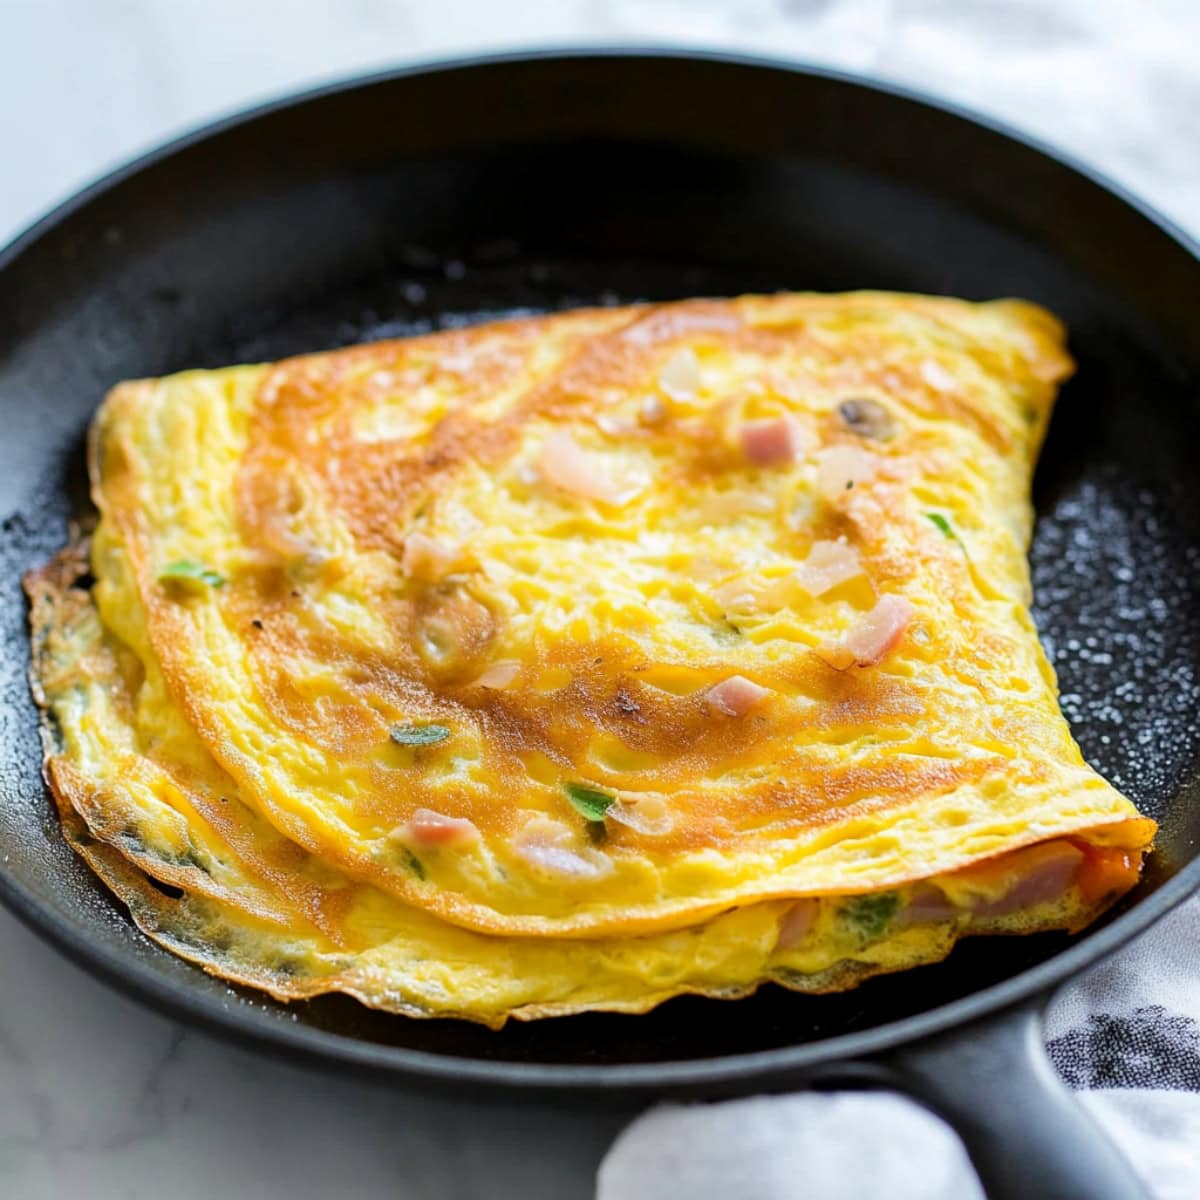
{"type": "Point", "coordinates": [796, 923]}
{"type": "Point", "coordinates": [926, 904]}
{"type": "Point", "coordinates": [1041, 874]}
{"type": "Point", "coordinates": [569, 467]}
{"type": "Point", "coordinates": [828, 564]}
{"type": "Point", "coordinates": [736, 696]}
{"type": "Point", "coordinates": [499, 675]}
{"type": "Point", "coordinates": [680, 376]}
{"type": "Point", "coordinates": [773, 441]}
{"type": "Point", "coordinates": [426, 828]}
{"type": "Point", "coordinates": [841, 469]}
{"type": "Point", "coordinates": [429, 559]}
{"type": "Point", "coordinates": [880, 631]}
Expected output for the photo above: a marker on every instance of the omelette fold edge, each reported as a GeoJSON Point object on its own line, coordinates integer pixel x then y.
{"type": "Point", "coordinates": [580, 661]}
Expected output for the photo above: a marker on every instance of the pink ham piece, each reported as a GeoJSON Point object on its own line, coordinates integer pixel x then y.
{"type": "Point", "coordinates": [499, 675]}
{"type": "Point", "coordinates": [736, 696]}
{"type": "Point", "coordinates": [1044, 873]}
{"type": "Point", "coordinates": [570, 468]}
{"type": "Point", "coordinates": [772, 442]}
{"type": "Point", "coordinates": [926, 904]}
{"type": "Point", "coordinates": [796, 923]}
{"type": "Point", "coordinates": [426, 828]}
{"type": "Point", "coordinates": [428, 559]}
{"type": "Point", "coordinates": [880, 631]}
{"type": "Point", "coordinates": [828, 564]}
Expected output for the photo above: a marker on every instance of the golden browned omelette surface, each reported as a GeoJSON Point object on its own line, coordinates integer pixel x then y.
{"type": "Point", "coordinates": [581, 660]}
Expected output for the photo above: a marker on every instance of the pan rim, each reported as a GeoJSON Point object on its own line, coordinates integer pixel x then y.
{"type": "Point", "coordinates": [194, 134]}
{"type": "Point", "coordinates": [246, 1026]}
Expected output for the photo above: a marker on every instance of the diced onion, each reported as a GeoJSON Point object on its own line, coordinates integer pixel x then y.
{"type": "Point", "coordinates": [842, 468]}
{"type": "Point", "coordinates": [499, 675]}
{"type": "Point", "coordinates": [736, 696]}
{"type": "Point", "coordinates": [828, 565]}
{"type": "Point", "coordinates": [680, 375]}
{"type": "Point", "coordinates": [937, 376]}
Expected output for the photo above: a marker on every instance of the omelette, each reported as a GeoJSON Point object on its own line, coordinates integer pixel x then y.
{"type": "Point", "coordinates": [579, 661]}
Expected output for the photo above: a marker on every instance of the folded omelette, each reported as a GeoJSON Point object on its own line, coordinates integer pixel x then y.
{"type": "Point", "coordinates": [579, 661]}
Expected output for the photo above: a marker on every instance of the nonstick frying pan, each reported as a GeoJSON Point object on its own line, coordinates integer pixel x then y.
{"type": "Point", "coordinates": [429, 197]}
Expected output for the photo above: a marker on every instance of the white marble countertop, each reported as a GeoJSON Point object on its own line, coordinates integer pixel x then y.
{"type": "Point", "coordinates": [99, 1098]}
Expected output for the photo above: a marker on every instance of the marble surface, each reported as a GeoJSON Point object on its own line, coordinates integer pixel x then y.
{"type": "Point", "coordinates": [99, 1098]}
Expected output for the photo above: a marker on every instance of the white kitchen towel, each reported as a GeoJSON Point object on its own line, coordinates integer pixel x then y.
{"type": "Point", "coordinates": [1127, 1034]}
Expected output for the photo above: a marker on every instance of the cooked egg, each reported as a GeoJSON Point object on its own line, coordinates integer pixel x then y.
{"type": "Point", "coordinates": [579, 661]}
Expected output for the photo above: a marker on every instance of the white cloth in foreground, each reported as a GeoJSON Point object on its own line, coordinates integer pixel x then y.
{"type": "Point", "coordinates": [835, 1147]}
{"type": "Point", "coordinates": [1127, 1034]}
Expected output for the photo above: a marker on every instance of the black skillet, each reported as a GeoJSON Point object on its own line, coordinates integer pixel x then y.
{"type": "Point", "coordinates": [428, 197]}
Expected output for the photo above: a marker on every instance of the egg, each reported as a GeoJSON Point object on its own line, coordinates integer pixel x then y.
{"type": "Point", "coordinates": [433, 672]}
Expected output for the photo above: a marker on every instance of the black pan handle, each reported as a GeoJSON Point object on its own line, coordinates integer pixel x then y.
{"type": "Point", "coordinates": [1027, 1135]}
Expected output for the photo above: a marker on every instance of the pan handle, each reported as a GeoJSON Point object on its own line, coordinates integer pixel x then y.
{"type": "Point", "coordinates": [1027, 1135]}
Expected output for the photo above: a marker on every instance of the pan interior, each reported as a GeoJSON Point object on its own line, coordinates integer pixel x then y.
{"type": "Point", "coordinates": [1116, 554]}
